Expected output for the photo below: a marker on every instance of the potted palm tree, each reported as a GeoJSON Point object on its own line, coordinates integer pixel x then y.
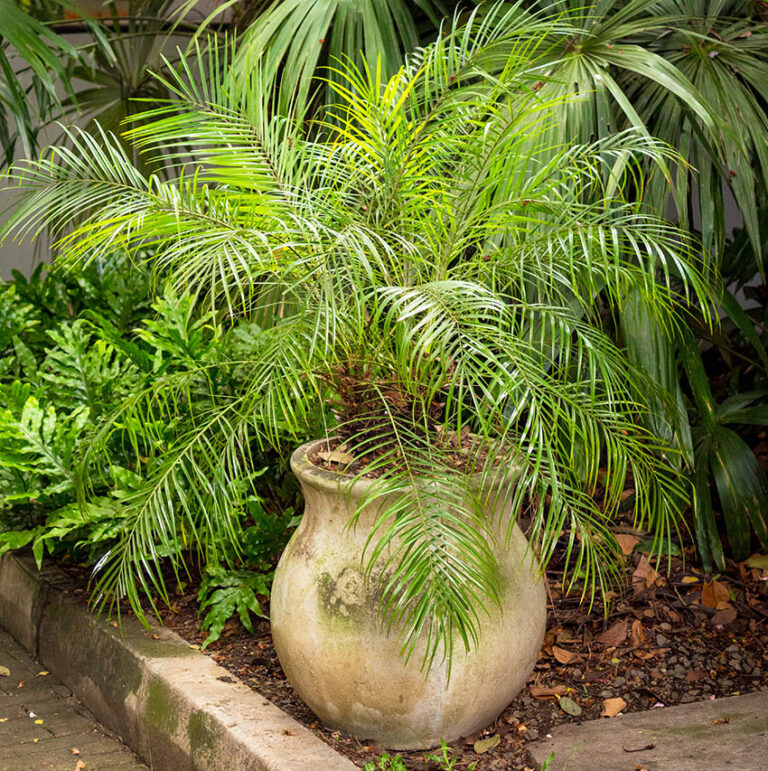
{"type": "Point", "coordinates": [437, 291]}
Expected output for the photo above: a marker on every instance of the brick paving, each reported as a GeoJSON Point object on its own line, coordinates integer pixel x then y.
{"type": "Point", "coordinates": [43, 726]}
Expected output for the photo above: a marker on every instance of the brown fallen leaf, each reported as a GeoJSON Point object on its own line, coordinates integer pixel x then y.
{"type": "Point", "coordinates": [564, 637]}
{"type": "Point", "coordinates": [612, 707]}
{"type": "Point", "coordinates": [545, 692]}
{"type": "Point", "coordinates": [486, 745]}
{"type": "Point", "coordinates": [645, 576]}
{"type": "Point", "coordinates": [75, 751]}
{"type": "Point", "coordinates": [713, 592]}
{"type": "Point", "coordinates": [563, 656]}
{"type": "Point", "coordinates": [337, 456]}
{"type": "Point", "coordinates": [638, 633]}
{"type": "Point", "coordinates": [727, 616]}
{"type": "Point", "coordinates": [5, 672]}
{"type": "Point", "coordinates": [627, 542]}
{"type": "Point", "coordinates": [80, 765]}
{"type": "Point", "coordinates": [614, 635]}
{"type": "Point", "coordinates": [695, 675]}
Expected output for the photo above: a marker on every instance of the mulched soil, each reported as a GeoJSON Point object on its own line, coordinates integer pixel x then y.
{"type": "Point", "coordinates": [672, 637]}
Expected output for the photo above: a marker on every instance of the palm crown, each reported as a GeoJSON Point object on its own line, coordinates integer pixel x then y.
{"type": "Point", "coordinates": [422, 262]}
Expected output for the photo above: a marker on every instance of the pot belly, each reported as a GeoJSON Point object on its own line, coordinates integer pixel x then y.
{"type": "Point", "coordinates": [335, 653]}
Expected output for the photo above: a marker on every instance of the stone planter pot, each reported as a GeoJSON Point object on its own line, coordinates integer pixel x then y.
{"type": "Point", "coordinates": [333, 649]}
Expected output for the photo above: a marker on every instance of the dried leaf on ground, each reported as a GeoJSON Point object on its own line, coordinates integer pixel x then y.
{"type": "Point", "coordinates": [627, 542]}
{"type": "Point", "coordinates": [695, 675]}
{"type": "Point", "coordinates": [544, 692]}
{"type": "Point", "coordinates": [570, 706]}
{"type": "Point", "coordinates": [563, 656]}
{"type": "Point", "coordinates": [645, 576]}
{"type": "Point", "coordinates": [612, 707]}
{"type": "Point", "coordinates": [714, 592]}
{"type": "Point", "coordinates": [614, 635]}
{"type": "Point", "coordinates": [638, 633]}
{"type": "Point", "coordinates": [727, 616]}
{"type": "Point", "coordinates": [5, 672]}
{"type": "Point", "coordinates": [486, 745]}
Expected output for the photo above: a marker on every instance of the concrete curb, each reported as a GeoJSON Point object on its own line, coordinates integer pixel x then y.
{"type": "Point", "coordinates": [165, 699]}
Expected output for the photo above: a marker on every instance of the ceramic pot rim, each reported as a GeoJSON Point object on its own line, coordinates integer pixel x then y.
{"type": "Point", "coordinates": [333, 481]}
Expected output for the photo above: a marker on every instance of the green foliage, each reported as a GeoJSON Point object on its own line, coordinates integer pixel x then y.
{"type": "Point", "coordinates": [740, 482]}
{"type": "Point", "coordinates": [106, 78]}
{"type": "Point", "coordinates": [76, 347]}
{"type": "Point", "coordinates": [296, 40]}
{"type": "Point", "coordinates": [445, 759]}
{"type": "Point", "coordinates": [429, 271]}
{"type": "Point", "coordinates": [689, 72]}
{"type": "Point", "coordinates": [226, 592]}
{"type": "Point", "coordinates": [386, 762]}
{"type": "Point", "coordinates": [24, 109]}
{"type": "Point", "coordinates": [36, 449]}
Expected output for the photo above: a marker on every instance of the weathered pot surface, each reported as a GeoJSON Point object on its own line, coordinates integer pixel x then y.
{"type": "Point", "coordinates": [334, 651]}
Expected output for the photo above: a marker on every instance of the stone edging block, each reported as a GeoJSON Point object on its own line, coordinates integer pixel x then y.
{"type": "Point", "coordinates": [170, 703]}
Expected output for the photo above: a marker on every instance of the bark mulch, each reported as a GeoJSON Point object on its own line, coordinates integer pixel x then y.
{"type": "Point", "coordinates": [672, 636]}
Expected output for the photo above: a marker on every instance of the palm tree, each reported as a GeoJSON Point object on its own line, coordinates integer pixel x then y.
{"type": "Point", "coordinates": [695, 75]}
{"type": "Point", "coordinates": [441, 289]}
{"type": "Point", "coordinates": [301, 39]}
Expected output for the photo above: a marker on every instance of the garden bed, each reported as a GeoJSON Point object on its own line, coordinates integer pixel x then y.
{"type": "Point", "coordinates": [671, 638]}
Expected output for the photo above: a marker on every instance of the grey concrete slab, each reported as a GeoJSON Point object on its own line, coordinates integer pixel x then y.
{"type": "Point", "coordinates": [21, 599]}
{"type": "Point", "coordinates": [172, 704]}
{"type": "Point", "coordinates": [727, 733]}
{"type": "Point", "coordinates": [43, 726]}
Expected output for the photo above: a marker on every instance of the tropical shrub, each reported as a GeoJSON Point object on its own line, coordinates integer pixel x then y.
{"type": "Point", "coordinates": [421, 267]}
{"type": "Point", "coordinates": [75, 347]}
{"type": "Point", "coordinates": [689, 72]}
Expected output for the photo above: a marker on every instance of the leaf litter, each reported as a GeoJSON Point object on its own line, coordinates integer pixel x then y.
{"type": "Point", "coordinates": [662, 643]}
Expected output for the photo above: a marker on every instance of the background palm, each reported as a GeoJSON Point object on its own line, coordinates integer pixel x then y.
{"type": "Point", "coordinates": [423, 268]}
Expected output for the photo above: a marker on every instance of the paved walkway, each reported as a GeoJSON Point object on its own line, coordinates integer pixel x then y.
{"type": "Point", "coordinates": [43, 726]}
{"type": "Point", "coordinates": [709, 735]}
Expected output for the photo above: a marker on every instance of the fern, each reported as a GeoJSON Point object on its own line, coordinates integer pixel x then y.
{"type": "Point", "coordinates": [226, 592]}
{"type": "Point", "coordinates": [40, 444]}
{"type": "Point", "coordinates": [81, 371]}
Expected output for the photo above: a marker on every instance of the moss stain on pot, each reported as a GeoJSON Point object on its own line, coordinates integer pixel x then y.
{"type": "Point", "coordinates": [349, 599]}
